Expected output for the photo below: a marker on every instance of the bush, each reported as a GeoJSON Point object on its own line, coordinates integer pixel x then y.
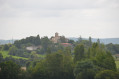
{"type": "Point", "coordinates": [107, 74]}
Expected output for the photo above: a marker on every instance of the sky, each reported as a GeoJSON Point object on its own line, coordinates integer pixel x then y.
{"type": "Point", "coordinates": [71, 18]}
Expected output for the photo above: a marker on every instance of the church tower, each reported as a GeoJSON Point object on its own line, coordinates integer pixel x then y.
{"type": "Point", "coordinates": [56, 34]}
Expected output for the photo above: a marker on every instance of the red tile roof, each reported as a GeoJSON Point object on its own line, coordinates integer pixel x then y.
{"type": "Point", "coordinates": [66, 44]}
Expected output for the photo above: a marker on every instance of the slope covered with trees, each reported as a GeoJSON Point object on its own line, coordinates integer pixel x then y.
{"type": "Point", "coordinates": [82, 60]}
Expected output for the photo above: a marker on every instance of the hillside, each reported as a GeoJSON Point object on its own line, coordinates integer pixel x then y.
{"type": "Point", "coordinates": [47, 56]}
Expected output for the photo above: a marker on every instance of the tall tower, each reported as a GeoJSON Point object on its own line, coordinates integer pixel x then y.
{"type": "Point", "coordinates": [56, 34]}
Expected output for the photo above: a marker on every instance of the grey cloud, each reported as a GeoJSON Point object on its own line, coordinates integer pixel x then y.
{"type": "Point", "coordinates": [17, 6]}
{"type": "Point", "coordinates": [60, 4]}
{"type": "Point", "coordinates": [62, 14]}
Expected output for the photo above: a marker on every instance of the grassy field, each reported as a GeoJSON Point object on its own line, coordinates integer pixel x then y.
{"type": "Point", "coordinates": [42, 56]}
{"type": "Point", "coordinates": [5, 54]}
{"type": "Point", "coordinates": [117, 64]}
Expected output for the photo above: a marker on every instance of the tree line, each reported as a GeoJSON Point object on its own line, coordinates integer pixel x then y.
{"type": "Point", "coordinates": [84, 60]}
{"type": "Point", "coordinates": [94, 63]}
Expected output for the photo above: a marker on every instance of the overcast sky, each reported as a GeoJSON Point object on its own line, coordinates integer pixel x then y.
{"type": "Point", "coordinates": [72, 18]}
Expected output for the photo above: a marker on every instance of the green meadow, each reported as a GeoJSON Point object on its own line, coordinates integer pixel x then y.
{"type": "Point", "coordinates": [6, 54]}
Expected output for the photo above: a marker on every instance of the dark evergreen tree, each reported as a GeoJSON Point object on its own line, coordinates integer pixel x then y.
{"type": "Point", "coordinates": [98, 41]}
{"type": "Point", "coordinates": [90, 41]}
{"type": "Point", "coordinates": [78, 53]}
{"type": "Point", "coordinates": [1, 58]}
{"type": "Point", "coordinates": [80, 39]}
{"type": "Point", "coordinates": [9, 70]}
{"type": "Point", "coordinates": [107, 74]}
{"type": "Point", "coordinates": [85, 70]}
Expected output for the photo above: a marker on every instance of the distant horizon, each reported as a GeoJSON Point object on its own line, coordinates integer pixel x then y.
{"type": "Point", "coordinates": [102, 40]}
{"type": "Point", "coordinates": [59, 35]}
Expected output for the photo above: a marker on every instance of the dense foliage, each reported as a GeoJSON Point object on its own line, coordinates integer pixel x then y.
{"type": "Point", "coordinates": [82, 60]}
{"type": "Point", "coordinates": [9, 70]}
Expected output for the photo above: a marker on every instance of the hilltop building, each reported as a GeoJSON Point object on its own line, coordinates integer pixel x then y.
{"type": "Point", "coordinates": [56, 38]}
{"type": "Point", "coordinates": [31, 48]}
{"type": "Point", "coordinates": [59, 39]}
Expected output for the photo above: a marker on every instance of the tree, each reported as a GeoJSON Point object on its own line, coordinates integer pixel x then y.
{"type": "Point", "coordinates": [54, 65]}
{"type": "Point", "coordinates": [48, 50]}
{"type": "Point", "coordinates": [37, 41]}
{"type": "Point", "coordinates": [9, 70]}
{"type": "Point", "coordinates": [78, 53]}
{"type": "Point", "coordinates": [40, 71]}
{"type": "Point", "coordinates": [62, 39]}
{"type": "Point", "coordinates": [89, 74]}
{"type": "Point", "coordinates": [105, 60]}
{"type": "Point", "coordinates": [94, 50]}
{"type": "Point", "coordinates": [45, 42]}
{"type": "Point", "coordinates": [6, 47]}
{"type": "Point", "coordinates": [68, 64]}
{"type": "Point", "coordinates": [33, 55]}
{"type": "Point", "coordinates": [80, 39]}
{"type": "Point", "coordinates": [98, 41]}
{"type": "Point", "coordinates": [113, 48]}
{"type": "Point", "coordinates": [71, 41]}
{"type": "Point", "coordinates": [85, 70]}
{"type": "Point", "coordinates": [1, 57]}
{"type": "Point", "coordinates": [101, 57]}
{"type": "Point", "coordinates": [13, 50]}
{"type": "Point", "coordinates": [90, 41]}
{"type": "Point", "coordinates": [34, 40]}
{"type": "Point", "coordinates": [57, 65]}
{"type": "Point", "coordinates": [107, 74]}
{"type": "Point", "coordinates": [88, 53]}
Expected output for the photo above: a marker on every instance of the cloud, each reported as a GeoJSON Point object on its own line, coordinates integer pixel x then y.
{"type": "Point", "coordinates": [97, 18]}
{"type": "Point", "coordinates": [16, 8]}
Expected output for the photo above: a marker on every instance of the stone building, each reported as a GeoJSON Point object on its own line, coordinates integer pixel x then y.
{"type": "Point", "coordinates": [31, 48]}
{"type": "Point", "coordinates": [59, 39]}
{"type": "Point", "coordinates": [56, 38]}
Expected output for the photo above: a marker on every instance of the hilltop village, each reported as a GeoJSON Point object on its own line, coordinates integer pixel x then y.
{"type": "Point", "coordinates": [57, 57]}
{"type": "Point", "coordinates": [54, 39]}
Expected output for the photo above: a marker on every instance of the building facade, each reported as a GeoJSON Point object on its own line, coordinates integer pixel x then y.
{"type": "Point", "coordinates": [56, 39]}
{"type": "Point", "coordinates": [59, 39]}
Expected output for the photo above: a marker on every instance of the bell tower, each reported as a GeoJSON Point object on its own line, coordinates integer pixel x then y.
{"type": "Point", "coordinates": [56, 34]}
